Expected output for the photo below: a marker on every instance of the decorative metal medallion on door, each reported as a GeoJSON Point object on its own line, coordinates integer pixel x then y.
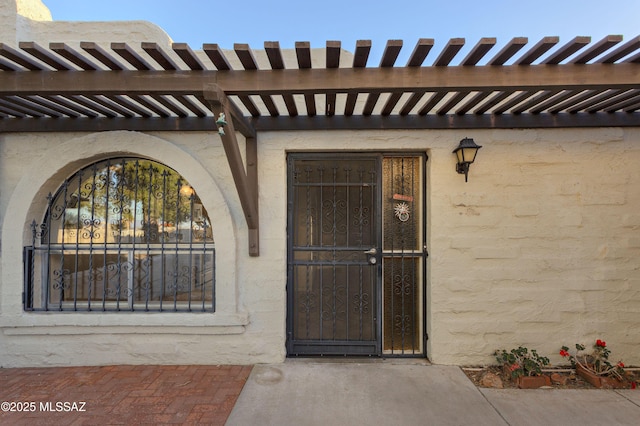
{"type": "Point", "coordinates": [356, 255]}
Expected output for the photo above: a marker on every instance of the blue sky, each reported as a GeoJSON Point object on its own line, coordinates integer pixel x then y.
{"type": "Point", "coordinates": [287, 21]}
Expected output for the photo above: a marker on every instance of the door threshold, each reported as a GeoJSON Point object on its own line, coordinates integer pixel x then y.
{"type": "Point", "coordinates": [358, 360]}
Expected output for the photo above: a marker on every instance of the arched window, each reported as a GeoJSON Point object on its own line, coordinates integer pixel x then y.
{"type": "Point", "coordinates": [125, 234]}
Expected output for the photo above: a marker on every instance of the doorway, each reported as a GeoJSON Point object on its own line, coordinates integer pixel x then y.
{"type": "Point", "coordinates": [356, 254]}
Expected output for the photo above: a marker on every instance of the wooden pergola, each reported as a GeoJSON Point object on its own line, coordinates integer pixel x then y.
{"type": "Point", "coordinates": [60, 88]}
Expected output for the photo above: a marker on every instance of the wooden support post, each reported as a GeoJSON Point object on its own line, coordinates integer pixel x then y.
{"type": "Point", "coordinates": [246, 181]}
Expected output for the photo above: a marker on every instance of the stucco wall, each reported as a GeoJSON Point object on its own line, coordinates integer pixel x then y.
{"type": "Point", "coordinates": [540, 247]}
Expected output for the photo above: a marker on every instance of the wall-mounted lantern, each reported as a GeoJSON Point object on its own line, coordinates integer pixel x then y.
{"type": "Point", "coordinates": [466, 153]}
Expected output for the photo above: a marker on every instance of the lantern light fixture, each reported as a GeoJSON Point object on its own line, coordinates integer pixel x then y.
{"type": "Point", "coordinates": [466, 154]}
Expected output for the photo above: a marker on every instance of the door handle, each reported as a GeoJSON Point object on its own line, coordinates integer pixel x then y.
{"type": "Point", "coordinates": [372, 251]}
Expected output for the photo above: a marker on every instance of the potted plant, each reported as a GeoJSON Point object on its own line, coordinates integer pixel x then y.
{"type": "Point", "coordinates": [524, 367]}
{"type": "Point", "coordinates": [595, 366]}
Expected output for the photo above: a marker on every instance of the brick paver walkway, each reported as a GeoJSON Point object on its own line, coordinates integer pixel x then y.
{"type": "Point", "coordinates": [127, 395]}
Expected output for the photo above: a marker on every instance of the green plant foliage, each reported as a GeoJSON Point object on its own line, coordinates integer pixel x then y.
{"type": "Point", "coordinates": [521, 362]}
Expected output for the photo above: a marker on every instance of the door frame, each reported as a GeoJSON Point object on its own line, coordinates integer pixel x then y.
{"type": "Point", "coordinates": [378, 156]}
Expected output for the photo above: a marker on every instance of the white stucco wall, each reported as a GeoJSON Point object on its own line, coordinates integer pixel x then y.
{"type": "Point", "coordinates": [539, 248]}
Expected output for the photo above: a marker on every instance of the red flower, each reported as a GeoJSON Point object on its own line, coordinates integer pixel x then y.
{"type": "Point", "coordinates": [621, 364]}
{"type": "Point", "coordinates": [564, 353]}
{"type": "Point", "coordinates": [633, 385]}
{"type": "Point", "coordinates": [601, 343]}
{"type": "Point", "coordinates": [514, 367]}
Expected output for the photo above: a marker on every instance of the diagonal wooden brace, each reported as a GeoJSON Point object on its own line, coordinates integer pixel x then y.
{"type": "Point", "coordinates": [246, 181]}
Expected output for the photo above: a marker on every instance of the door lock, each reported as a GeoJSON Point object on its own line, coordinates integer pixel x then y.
{"type": "Point", "coordinates": [373, 260]}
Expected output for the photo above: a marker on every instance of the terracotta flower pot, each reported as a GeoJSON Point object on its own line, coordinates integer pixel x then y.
{"type": "Point", "coordinates": [599, 381]}
{"type": "Point", "coordinates": [533, 382]}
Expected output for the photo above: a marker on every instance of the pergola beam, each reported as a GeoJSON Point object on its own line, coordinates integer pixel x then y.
{"type": "Point", "coordinates": [286, 123]}
{"type": "Point", "coordinates": [246, 181]}
{"type": "Point", "coordinates": [331, 80]}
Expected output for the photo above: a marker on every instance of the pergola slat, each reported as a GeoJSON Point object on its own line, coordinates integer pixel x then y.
{"type": "Point", "coordinates": [188, 56]}
{"type": "Point", "coordinates": [150, 106]}
{"type": "Point", "coordinates": [537, 51]}
{"type": "Point", "coordinates": [248, 103]}
{"type": "Point", "coordinates": [332, 61]}
{"type": "Point", "coordinates": [290, 103]}
{"type": "Point", "coordinates": [616, 102]}
{"type": "Point", "coordinates": [10, 111]}
{"type": "Point", "coordinates": [592, 100]}
{"type": "Point", "coordinates": [622, 51]}
{"type": "Point", "coordinates": [412, 102]}
{"type": "Point", "coordinates": [272, 48]}
{"type": "Point", "coordinates": [101, 55]}
{"type": "Point", "coordinates": [390, 54]}
{"type": "Point", "coordinates": [455, 100]}
{"type": "Point", "coordinates": [10, 106]}
{"type": "Point", "coordinates": [596, 49]}
{"type": "Point", "coordinates": [506, 106]}
{"type": "Point", "coordinates": [361, 54]}
{"type": "Point", "coordinates": [350, 104]}
{"type": "Point", "coordinates": [635, 59]}
{"type": "Point", "coordinates": [54, 106]}
{"type": "Point", "coordinates": [218, 59]}
{"type": "Point", "coordinates": [73, 56]}
{"type": "Point", "coordinates": [432, 102]}
{"type": "Point", "coordinates": [333, 50]}
{"type": "Point", "coordinates": [44, 55]}
{"type": "Point", "coordinates": [370, 103]}
{"type": "Point", "coordinates": [567, 50]}
{"type": "Point", "coordinates": [69, 104]}
{"type": "Point", "coordinates": [303, 55]}
{"type": "Point", "coordinates": [508, 51]}
{"type": "Point", "coordinates": [420, 52]}
{"type": "Point", "coordinates": [449, 52]}
{"type": "Point", "coordinates": [159, 55]}
{"type": "Point", "coordinates": [8, 66]}
{"type": "Point", "coordinates": [579, 97]}
{"type": "Point", "coordinates": [622, 104]}
{"type": "Point", "coordinates": [360, 58]}
{"type": "Point", "coordinates": [539, 98]}
{"type": "Point", "coordinates": [392, 101]}
{"type": "Point", "coordinates": [122, 101]}
{"type": "Point", "coordinates": [19, 58]}
{"type": "Point", "coordinates": [493, 101]}
{"type": "Point", "coordinates": [246, 56]}
{"type": "Point", "coordinates": [28, 105]}
{"type": "Point", "coordinates": [475, 100]}
{"type": "Point", "coordinates": [277, 63]}
{"type": "Point", "coordinates": [111, 105]}
{"type": "Point", "coordinates": [479, 51]}
{"type": "Point", "coordinates": [162, 100]}
{"type": "Point", "coordinates": [561, 96]}
{"type": "Point", "coordinates": [632, 108]}
{"type": "Point", "coordinates": [91, 104]}
{"type": "Point", "coordinates": [270, 105]}
{"type": "Point", "coordinates": [274, 54]}
{"type": "Point", "coordinates": [190, 106]}
{"type": "Point", "coordinates": [131, 56]}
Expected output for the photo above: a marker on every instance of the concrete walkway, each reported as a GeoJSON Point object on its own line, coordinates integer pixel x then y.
{"type": "Point", "coordinates": [404, 392]}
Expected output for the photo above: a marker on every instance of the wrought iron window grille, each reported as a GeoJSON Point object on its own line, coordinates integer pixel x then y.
{"type": "Point", "coordinates": [125, 234]}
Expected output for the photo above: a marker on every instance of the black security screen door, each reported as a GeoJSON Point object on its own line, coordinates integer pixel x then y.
{"type": "Point", "coordinates": [356, 255]}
